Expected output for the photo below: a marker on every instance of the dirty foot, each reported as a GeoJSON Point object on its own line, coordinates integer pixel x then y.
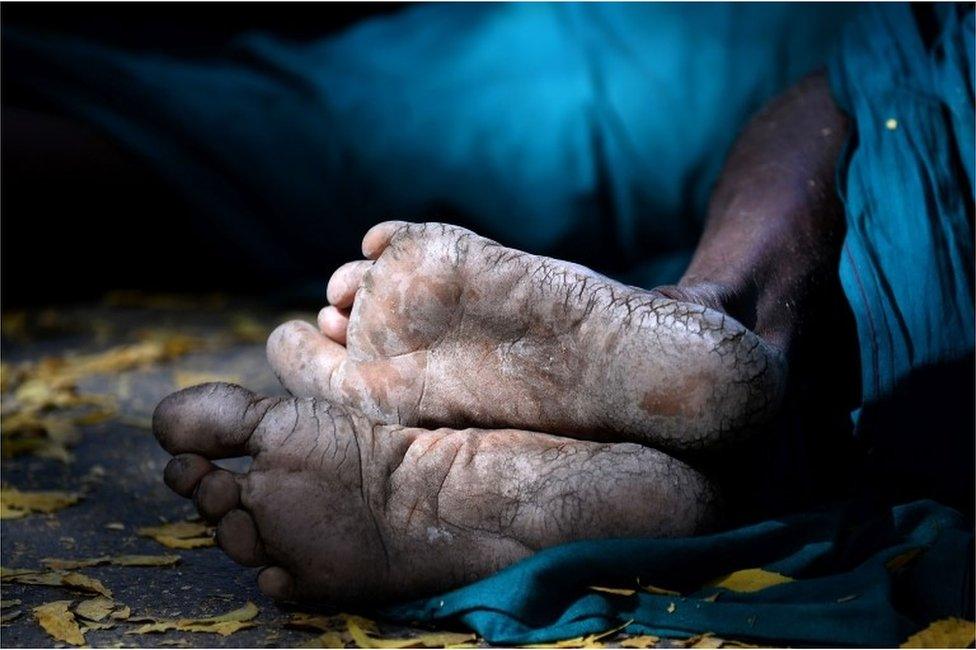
{"type": "Point", "coordinates": [342, 510]}
{"type": "Point", "coordinates": [443, 327]}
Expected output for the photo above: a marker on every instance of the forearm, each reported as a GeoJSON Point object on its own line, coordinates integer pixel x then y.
{"type": "Point", "coordinates": [775, 223]}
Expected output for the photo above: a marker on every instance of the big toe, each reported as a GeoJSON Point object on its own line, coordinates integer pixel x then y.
{"type": "Point", "coordinates": [211, 420]}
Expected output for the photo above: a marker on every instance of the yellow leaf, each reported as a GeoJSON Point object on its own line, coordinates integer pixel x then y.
{"type": "Point", "coordinates": [641, 641]}
{"type": "Point", "coordinates": [94, 625]}
{"type": "Point", "coordinates": [590, 641]}
{"type": "Point", "coordinates": [180, 534]}
{"type": "Point", "coordinates": [945, 633]}
{"type": "Point", "coordinates": [902, 559]}
{"type": "Point", "coordinates": [187, 378]}
{"type": "Point", "coordinates": [613, 590]}
{"type": "Point", "coordinates": [706, 640]}
{"type": "Point", "coordinates": [326, 640]}
{"type": "Point", "coordinates": [95, 609]}
{"type": "Point", "coordinates": [248, 330]}
{"type": "Point", "coordinates": [59, 622]}
{"type": "Point", "coordinates": [122, 613]}
{"type": "Point", "coordinates": [70, 579]}
{"type": "Point", "coordinates": [118, 560]}
{"type": "Point", "coordinates": [749, 580]}
{"type": "Point", "coordinates": [363, 639]}
{"type": "Point", "coordinates": [15, 503]}
{"type": "Point", "coordinates": [9, 603]}
{"type": "Point", "coordinates": [315, 621]}
{"type": "Point", "coordinates": [651, 589]}
{"type": "Point", "coordinates": [224, 624]}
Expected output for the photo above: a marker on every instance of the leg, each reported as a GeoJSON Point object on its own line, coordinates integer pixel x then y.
{"type": "Point", "coordinates": [344, 510]}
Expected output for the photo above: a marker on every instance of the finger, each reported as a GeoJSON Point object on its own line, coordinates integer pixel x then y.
{"type": "Point", "coordinates": [183, 473]}
{"type": "Point", "coordinates": [238, 536]}
{"type": "Point", "coordinates": [217, 494]}
{"type": "Point", "coordinates": [378, 238]}
{"type": "Point", "coordinates": [345, 282]}
{"type": "Point", "coordinates": [303, 359]}
{"type": "Point", "coordinates": [212, 420]}
{"type": "Point", "coordinates": [334, 323]}
{"type": "Point", "coordinates": [275, 582]}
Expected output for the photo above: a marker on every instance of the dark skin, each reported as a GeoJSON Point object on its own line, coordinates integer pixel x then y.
{"type": "Point", "coordinates": [353, 474]}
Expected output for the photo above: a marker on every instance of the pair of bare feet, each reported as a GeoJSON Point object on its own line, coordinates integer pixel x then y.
{"type": "Point", "coordinates": [580, 388]}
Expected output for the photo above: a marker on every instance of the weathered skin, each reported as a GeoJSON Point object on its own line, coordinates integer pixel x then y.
{"type": "Point", "coordinates": [343, 509]}
{"type": "Point", "coordinates": [451, 329]}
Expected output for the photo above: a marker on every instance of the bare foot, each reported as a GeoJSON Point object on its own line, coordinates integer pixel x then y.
{"type": "Point", "coordinates": [341, 509]}
{"type": "Point", "coordinates": [449, 328]}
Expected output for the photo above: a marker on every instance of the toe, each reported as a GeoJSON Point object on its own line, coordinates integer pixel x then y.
{"type": "Point", "coordinates": [183, 473]}
{"type": "Point", "coordinates": [238, 536]}
{"type": "Point", "coordinates": [334, 323]}
{"type": "Point", "coordinates": [303, 359]}
{"type": "Point", "coordinates": [275, 582]}
{"type": "Point", "coordinates": [345, 282]}
{"type": "Point", "coordinates": [378, 238]}
{"type": "Point", "coordinates": [212, 420]}
{"type": "Point", "coordinates": [217, 494]}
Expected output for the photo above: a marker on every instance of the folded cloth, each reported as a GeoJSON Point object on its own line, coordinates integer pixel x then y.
{"type": "Point", "coordinates": [905, 76]}
{"type": "Point", "coordinates": [860, 576]}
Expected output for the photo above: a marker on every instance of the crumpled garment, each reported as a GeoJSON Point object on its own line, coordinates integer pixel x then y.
{"type": "Point", "coordinates": [858, 581]}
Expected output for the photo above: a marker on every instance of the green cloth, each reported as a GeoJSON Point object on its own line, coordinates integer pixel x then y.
{"type": "Point", "coordinates": [843, 592]}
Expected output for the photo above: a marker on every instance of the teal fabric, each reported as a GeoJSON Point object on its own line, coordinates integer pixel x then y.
{"type": "Point", "coordinates": [907, 264]}
{"type": "Point", "coordinates": [843, 593]}
{"type": "Point", "coordinates": [907, 184]}
{"type": "Point", "coordinates": [591, 132]}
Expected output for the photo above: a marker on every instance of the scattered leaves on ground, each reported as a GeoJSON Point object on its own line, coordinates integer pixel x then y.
{"type": "Point", "coordinates": [749, 580]}
{"type": "Point", "coordinates": [639, 641]}
{"type": "Point", "coordinates": [224, 624]}
{"type": "Point", "coordinates": [187, 378]}
{"type": "Point", "coordinates": [59, 622]}
{"type": "Point", "coordinates": [944, 633]}
{"type": "Point", "coordinates": [180, 534]}
{"type": "Point", "coordinates": [589, 641]}
{"type": "Point", "coordinates": [70, 579]}
{"type": "Point", "coordinates": [15, 503]}
{"type": "Point", "coordinates": [117, 560]}
{"type": "Point", "coordinates": [615, 591]}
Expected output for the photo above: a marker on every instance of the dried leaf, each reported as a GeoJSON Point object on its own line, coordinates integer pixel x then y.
{"type": "Point", "coordinates": [902, 559]}
{"type": "Point", "coordinates": [706, 640]}
{"type": "Point", "coordinates": [6, 617]}
{"type": "Point", "coordinates": [95, 609]}
{"type": "Point", "coordinates": [187, 378]}
{"type": "Point", "coordinates": [70, 579]}
{"type": "Point", "coordinates": [224, 624]}
{"type": "Point", "coordinates": [316, 622]}
{"type": "Point", "coordinates": [122, 613]}
{"type": "Point", "coordinates": [247, 329]}
{"type": "Point", "coordinates": [750, 580]}
{"type": "Point", "coordinates": [363, 633]}
{"type": "Point", "coordinates": [88, 626]}
{"type": "Point", "coordinates": [118, 560]}
{"type": "Point", "coordinates": [945, 633]}
{"type": "Point", "coordinates": [590, 641]}
{"type": "Point", "coordinates": [615, 591]}
{"type": "Point", "coordinates": [15, 503]}
{"type": "Point", "coordinates": [641, 641]}
{"type": "Point", "coordinates": [4, 604]}
{"type": "Point", "coordinates": [326, 640]}
{"type": "Point", "coordinates": [180, 534]}
{"type": "Point", "coordinates": [651, 589]}
{"type": "Point", "coordinates": [59, 622]}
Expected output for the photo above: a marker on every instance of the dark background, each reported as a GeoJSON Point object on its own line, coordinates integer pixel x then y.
{"type": "Point", "coordinates": [79, 216]}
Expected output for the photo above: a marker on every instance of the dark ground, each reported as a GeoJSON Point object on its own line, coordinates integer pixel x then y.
{"type": "Point", "coordinates": [118, 466]}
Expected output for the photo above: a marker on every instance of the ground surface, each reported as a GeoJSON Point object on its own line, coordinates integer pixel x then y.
{"type": "Point", "coordinates": [118, 467]}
